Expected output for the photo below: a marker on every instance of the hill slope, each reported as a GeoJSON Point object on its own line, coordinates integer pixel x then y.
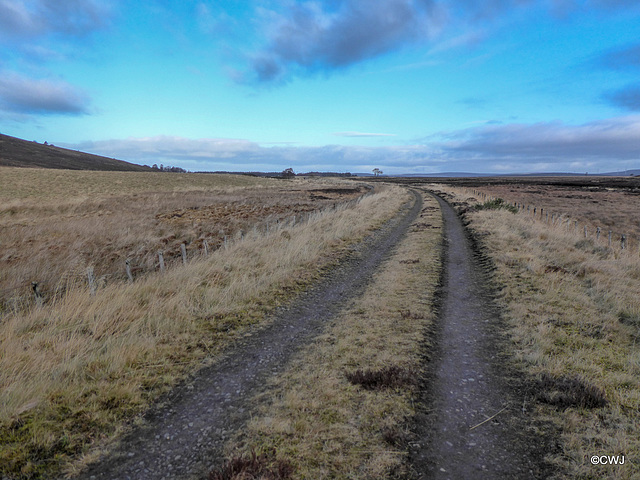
{"type": "Point", "coordinates": [15, 152]}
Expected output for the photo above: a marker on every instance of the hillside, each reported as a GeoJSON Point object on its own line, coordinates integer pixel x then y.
{"type": "Point", "coordinates": [15, 152]}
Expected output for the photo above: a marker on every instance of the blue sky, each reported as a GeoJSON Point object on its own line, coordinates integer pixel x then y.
{"type": "Point", "coordinates": [407, 86]}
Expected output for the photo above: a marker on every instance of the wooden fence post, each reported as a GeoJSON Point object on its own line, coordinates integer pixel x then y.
{"type": "Point", "coordinates": [161, 260]}
{"type": "Point", "coordinates": [92, 281]}
{"type": "Point", "coordinates": [597, 234]}
{"type": "Point", "coordinates": [225, 242]}
{"type": "Point", "coordinates": [128, 266]}
{"type": "Point", "coordinates": [585, 231]}
{"type": "Point", "coordinates": [183, 249]}
{"type": "Point", "coordinates": [205, 245]}
{"type": "Point", "coordinates": [623, 242]}
{"type": "Point", "coordinates": [610, 232]}
{"type": "Point", "coordinates": [37, 292]}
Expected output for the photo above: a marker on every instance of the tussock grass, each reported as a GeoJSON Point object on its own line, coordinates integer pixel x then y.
{"type": "Point", "coordinates": [573, 308]}
{"type": "Point", "coordinates": [607, 203]}
{"type": "Point", "coordinates": [253, 466]}
{"type": "Point", "coordinates": [53, 240]}
{"type": "Point", "coordinates": [314, 416]}
{"type": "Point", "coordinates": [74, 373]}
{"type": "Point", "coordinates": [387, 377]}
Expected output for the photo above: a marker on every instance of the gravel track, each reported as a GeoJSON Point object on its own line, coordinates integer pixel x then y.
{"type": "Point", "coordinates": [472, 425]}
{"type": "Point", "coordinates": [184, 435]}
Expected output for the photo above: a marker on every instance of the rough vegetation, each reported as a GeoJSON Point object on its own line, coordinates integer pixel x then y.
{"type": "Point", "coordinates": [573, 310]}
{"type": "Point", "coordinates": [75, 372]}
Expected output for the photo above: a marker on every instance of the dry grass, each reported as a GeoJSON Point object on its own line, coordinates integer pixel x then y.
{"type": "Point", "coordinates": [610, 208]}
{"type": "Point", "coordinates": [574, 312]}
{"type": "Point", "coordinates": [314, 417]}
{"type": "Point", "coordinates": [108, 217]}
{"type": "Point", "coordinates": [36, 186]}
{"type": "Point", "coordinates": [75, 372]}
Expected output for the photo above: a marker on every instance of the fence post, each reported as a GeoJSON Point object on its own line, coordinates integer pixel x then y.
{"type": "Point", "coordinates": [37, 292]}
{"type": "Point", "coordinates": [225, 242]}
{"type": "Point", "coordinates": [610, 232]}
{"type": "Point", "coordinates": [575, 227]}
{"type": "Point", "coordinates": [585, 231]}
{"type": "Point", "coordinates": [623, 242]}
{"type": "Point", "coordinates": [183, 249]}
{"type": "Point", "coordinates": [92, 281]}
{"type": "Point", "coordinates": [128, 265]}
{"type": "Point", "coordinates": [161, 260]}
{"type": "Point", "coordinates": [597, 234]}
{"type": "Point", "coordinates": [205, 245]}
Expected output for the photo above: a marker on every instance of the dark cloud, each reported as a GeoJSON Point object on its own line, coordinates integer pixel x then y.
{"type": "Point", "coordinates": [20, 19]}
{"type": "Point", "coordinates": [23, 95]}
{"type": "Point", "coordinates": [327, 35]}
{"type": "Point", "coordinates": [628, 98]}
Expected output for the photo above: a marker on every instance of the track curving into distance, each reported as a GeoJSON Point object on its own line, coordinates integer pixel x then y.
{"type": "Point", "coordinates": [472, 425]}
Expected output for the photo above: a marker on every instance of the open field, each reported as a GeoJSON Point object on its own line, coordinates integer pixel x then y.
{"type": "Point", "coordinates": [574, 318]}
{"type": "Point", "coordinates": [56, 224]}
{"type": "Point", "coordinates": [76, 372]}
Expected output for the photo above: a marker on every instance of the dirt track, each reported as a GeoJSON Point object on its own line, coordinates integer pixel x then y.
{"type": "Point", "coordinates": [473, 425]}
{"type": "Point", "coordinates": [183, 437]}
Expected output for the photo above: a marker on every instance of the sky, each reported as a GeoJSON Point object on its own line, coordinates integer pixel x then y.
{"type": "Point", "coordinates": [406, 86]}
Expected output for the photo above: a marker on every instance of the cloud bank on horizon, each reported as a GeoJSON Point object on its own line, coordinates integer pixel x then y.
{"type": "Point", "coordinates": [544, 84]}
{"type": "Point", "coordinates": [597, 147]}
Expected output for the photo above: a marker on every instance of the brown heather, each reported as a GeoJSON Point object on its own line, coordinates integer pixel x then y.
{"type": "Point", "coordinates": [75, 372]}
{"type": "Point", "coordinates": [574, 315]}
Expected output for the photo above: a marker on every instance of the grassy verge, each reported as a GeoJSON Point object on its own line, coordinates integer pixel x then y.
{"type": "Point", "coordinates": [574, 315]}
{"type": "Point", "coordinates": [341, 410]}
{"type": "Point", "coordinates": [73, 374]}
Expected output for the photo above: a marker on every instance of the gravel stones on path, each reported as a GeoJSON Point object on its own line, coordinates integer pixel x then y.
{"type": "Point", "coordinates": [472, 425]}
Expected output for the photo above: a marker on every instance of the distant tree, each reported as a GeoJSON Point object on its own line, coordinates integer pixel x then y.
{"type": "Point", "coordinates": [154, 166]}
{"type": "Point", "coordinates": [288, 173]}
{"type": "Point", "coordinates": [377, 171]}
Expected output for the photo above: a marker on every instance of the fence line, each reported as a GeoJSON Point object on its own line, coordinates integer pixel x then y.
{"type": "Point", "coordinates": [265, 228]}
{"type": "Point", "coordinates": [558, 219]}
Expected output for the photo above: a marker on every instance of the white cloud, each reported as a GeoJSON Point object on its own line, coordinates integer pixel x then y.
{"type": "Point", "coordinates": [601, 146]}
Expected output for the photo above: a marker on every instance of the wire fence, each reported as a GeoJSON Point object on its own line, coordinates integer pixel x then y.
{"type": "Point", "coordinates": [616, 241]}
{"type": "Point", "coordinates": [31, 292]}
